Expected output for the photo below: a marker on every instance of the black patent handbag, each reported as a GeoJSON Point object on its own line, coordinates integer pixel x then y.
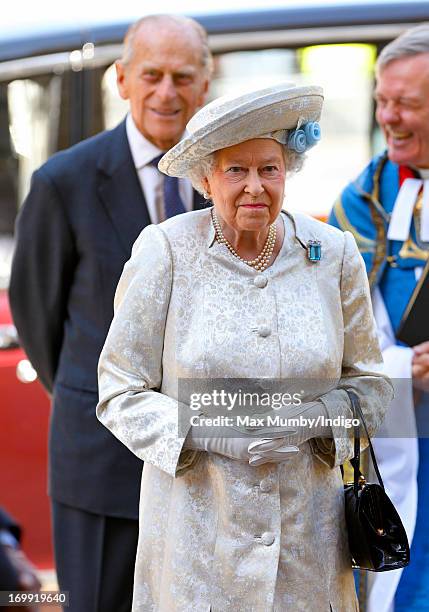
{"type": "Point", "coordinates": [377, 538]}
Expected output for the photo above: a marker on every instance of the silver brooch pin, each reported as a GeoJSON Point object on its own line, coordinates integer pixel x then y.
{"type": "Point", "coordinates": [314, 250]}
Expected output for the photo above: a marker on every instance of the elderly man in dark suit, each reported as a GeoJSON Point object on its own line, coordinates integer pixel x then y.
{"type": "Point", "coordinates": [86, 207]}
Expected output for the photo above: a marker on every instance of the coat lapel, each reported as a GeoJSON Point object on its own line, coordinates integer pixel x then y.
{"type": "Point", "coordinates": [120, 191]}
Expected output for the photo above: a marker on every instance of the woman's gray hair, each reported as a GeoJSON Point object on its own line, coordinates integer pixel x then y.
{"type": "Point", "coordinates": [205, 167]}
{"type": "Point", "coordinates": [411, 42]}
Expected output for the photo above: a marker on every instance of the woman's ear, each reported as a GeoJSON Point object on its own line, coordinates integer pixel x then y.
{"type": "Point", "coordinates": [206, 185]}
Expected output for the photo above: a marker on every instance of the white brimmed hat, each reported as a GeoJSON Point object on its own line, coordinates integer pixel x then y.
{"type": "Point", "coordinates": [230, 120]}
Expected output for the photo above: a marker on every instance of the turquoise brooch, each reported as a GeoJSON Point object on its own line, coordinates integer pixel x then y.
{"type": "Point", "coordinates": [314, 250]}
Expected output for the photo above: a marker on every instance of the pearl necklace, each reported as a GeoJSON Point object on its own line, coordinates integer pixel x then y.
{"type": "Point", "coordinates": [263, 259]}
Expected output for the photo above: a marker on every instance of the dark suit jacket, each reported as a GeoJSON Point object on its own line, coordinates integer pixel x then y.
{"type": "Point", "coordinates": [74, 234]}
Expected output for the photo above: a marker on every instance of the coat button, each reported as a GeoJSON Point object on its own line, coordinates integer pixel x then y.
{"type": "Point", "coordinates": [260, 281]}
{"type": "Point", "coordinates": [267, 538]}
{"type": "Point", "coordinates": [265, 485]}
{"type": "Point", "coordinates": [264, 331]}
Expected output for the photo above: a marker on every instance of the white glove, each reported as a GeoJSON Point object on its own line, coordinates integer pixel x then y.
{"type": "Point", "coordinates": [256, 452]}
{"type": "Point", "coordinates": [313, 413]}
{"type": "Point", "coordinates": [234, 448]}
{"type": "Point", "coordinates": [271, 450]}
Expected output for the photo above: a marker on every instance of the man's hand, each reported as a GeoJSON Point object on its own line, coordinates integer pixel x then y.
{"type": "Point", "coordinates": [26, 572]}
{"type": "Point", "coordinates": [26, 575]}
{"type": "Point", "coordinates": [420, 366]}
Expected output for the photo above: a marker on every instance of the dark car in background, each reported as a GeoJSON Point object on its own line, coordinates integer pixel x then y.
{"type": "Point", "coordinates": [57, 87]}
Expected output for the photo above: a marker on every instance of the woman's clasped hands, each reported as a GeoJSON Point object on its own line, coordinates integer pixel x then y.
{"type": "Point", "coordinates": [275, 441]}
{"type": "Point", "coordinates": [256, 451]}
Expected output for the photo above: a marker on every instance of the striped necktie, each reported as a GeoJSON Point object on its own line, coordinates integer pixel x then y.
{"type": "Point", "coordinates": [173, 204]}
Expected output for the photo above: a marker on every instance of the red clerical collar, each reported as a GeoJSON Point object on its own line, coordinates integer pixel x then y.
{"type": "Point", "coordinates": [406, 172]}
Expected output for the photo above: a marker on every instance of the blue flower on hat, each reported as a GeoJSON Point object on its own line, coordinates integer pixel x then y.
{"type": "Point", "coordinates": [305, 137]}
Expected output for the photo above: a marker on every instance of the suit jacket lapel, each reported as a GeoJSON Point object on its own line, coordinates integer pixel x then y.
{"type": "Point", "coordinates": [120, 191]}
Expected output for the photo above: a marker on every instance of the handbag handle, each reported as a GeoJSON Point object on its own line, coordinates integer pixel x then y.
{"type": "Point", "coordinates": [357, 413]}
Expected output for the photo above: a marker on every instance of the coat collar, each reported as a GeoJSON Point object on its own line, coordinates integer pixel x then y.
{"type": "Point", "coordinates": [116, 151]}
{"type": "Point", "coordinates": [119, 189]}
{"type": "Point", "coordinates": [303, 231]}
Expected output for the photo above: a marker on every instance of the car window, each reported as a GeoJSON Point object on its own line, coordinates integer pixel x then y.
{"type": "Point", "coordinates": [29, 120]}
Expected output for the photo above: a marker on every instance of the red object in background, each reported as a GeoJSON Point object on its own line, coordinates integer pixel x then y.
{"type": "Point", "coordinates": [24, 420]}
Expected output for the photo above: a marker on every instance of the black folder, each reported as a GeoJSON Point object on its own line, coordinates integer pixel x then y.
{"type": "Point", "coordinates": [414, 326]}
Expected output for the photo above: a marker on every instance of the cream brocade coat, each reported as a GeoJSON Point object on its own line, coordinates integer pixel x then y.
{"type": "Point", "coordinates": [217, 534]}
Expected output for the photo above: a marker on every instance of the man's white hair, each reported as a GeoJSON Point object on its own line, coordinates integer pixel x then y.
{"type": "Point", "coordinates": [179, 21]}
{"type": "Point", "coordinates": [412, 42]}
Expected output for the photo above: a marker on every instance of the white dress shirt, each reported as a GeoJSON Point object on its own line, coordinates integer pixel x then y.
{"type": "Point", "coordinates": [151, 179]}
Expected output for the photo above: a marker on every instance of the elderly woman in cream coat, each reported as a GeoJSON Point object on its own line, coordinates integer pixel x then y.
{"type": "Point", "coordinates": [242, 290]}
